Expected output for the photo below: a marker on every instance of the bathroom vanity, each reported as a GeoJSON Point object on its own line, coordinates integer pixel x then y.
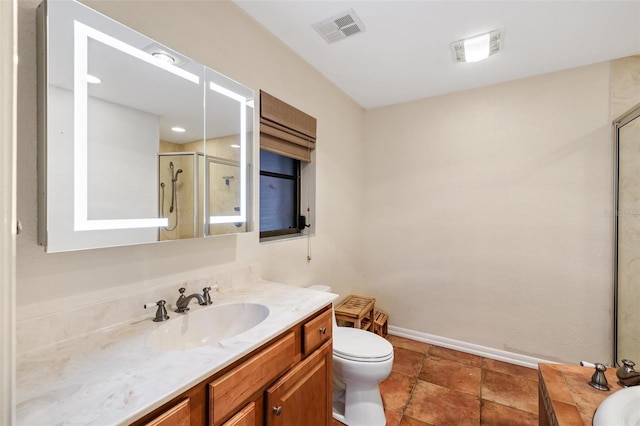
{"type": "Point", "coordinates": [276, 373]}
{"type": "Point", "coordinates": [284, 382]}
{"type": "Point", "coordinates": [565, 396]}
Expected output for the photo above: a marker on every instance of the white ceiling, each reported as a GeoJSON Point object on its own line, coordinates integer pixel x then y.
{"type": "Point", "coordinates": [405, 55]}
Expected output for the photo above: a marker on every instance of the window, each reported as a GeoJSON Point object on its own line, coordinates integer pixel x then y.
{"type": "Point", "coordinates": [279, 195]}
{"type": "Point", "coordinates": [287, 172]}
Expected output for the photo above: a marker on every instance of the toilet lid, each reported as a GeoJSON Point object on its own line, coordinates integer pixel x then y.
{"type": "Point", "coordinates": [359, 345]}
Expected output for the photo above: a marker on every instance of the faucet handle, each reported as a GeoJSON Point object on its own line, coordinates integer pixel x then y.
{"type": "Point", "coordinates": [206, 296]}
{"type": "Point", "coordinates": [628, 364]}
{"type": "Point", "coordinates": [161, 312]}
{"type": "Point", "coordinates": [182, 290]}
{"type": "Point", "coordinates": [599, 380]}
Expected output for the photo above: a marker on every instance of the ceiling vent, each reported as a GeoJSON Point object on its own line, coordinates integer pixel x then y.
{"type": "Point", "coordinates": [340, 26]}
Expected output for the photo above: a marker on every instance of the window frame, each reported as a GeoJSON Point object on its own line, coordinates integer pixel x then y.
{"type": "Point", "coordinates": [297, 178]}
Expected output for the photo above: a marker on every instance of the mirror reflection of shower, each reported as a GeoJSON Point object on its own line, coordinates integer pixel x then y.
{"type": "Point", "coordinates": [174, 197]}
{"type": "Point", "coordinates": [193, 186]}
{"type": "Point", "coordinates": [223, 194]}
{"type": "Point", "coordinates": [177, 183]}
{"type": "Point", "coordinates": [174, 179]}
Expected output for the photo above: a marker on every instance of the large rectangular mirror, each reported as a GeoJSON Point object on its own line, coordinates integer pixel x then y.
{"type": "Point", "coordinates": [138, 143]}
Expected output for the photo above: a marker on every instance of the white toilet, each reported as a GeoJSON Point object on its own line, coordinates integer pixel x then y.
{"type": "Point", "coordinates": [361, 360]}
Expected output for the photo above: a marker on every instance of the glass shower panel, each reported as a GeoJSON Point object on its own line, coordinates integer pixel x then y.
{"type": "Point", "coordinates": [628, 242]}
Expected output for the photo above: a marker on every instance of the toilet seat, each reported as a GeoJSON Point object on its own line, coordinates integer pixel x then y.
{"type": "Point", "coordinates": [362, 346]}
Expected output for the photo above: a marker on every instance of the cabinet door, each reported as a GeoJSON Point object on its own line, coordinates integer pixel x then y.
{"type": "Point", "coordinates": [303, 395]}
{"type": "Point", "coordinates": [178, 415]}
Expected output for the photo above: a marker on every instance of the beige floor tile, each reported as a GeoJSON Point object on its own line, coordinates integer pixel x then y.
{"type": "Point", "coordinates": [436, 386]}
{"type": "Point", "coordinates": [407, 362]}
{"type": "Point", "coordinates": [396, 391]}
{"type": "Point", "coordinates": [453, 375]}
{"type": "Point", "coordinates": [514, 370]}
{"type": "Point", "coordinates": [499, 415]}
{"type": "Point", "coordinates": [409, 421]}
{"type": "Point", "coordinates": [462, 357]}
{"type": "Point", "coordinates": [510, 391]}
{"type": "Point", "coordinates": [393, 417]}
{"type": "Point", "coordinates": [436, 405]}
{"type": "Point", "coordinates": [412, 345]}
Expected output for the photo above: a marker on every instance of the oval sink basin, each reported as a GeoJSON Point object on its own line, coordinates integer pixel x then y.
{"type": "Point", "coordinates": [207, 326]}
{"type": "Point", "coordinates": [620, 409]}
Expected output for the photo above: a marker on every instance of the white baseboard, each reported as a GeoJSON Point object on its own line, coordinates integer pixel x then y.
{"type": "Point", "coordinates": [471, 348]}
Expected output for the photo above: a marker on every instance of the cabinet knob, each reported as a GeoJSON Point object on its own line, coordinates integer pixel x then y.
{"type": "Point", "coordinates": [323, 330]}
{"type": "Point", "coordinates": [277, 410]}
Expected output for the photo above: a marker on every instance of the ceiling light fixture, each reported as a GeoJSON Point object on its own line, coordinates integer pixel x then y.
{"type": "Point", "coordinates": [178, 129]}
{"type": "Point", "coordinates": [92, 79]}
{"type": "Point", "coordinates": [165, 57]}
{"type": "Point", "coordinates": [165, 54]}
{"type": "Point", "coordinates": [477, 48]}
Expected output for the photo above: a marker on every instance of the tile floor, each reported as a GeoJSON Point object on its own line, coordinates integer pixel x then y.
{"type": "Point", "coordinates": [435, 386]}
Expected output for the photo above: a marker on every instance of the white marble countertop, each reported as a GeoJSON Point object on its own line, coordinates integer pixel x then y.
{"type": "Point", "coordinates": [116, 377]}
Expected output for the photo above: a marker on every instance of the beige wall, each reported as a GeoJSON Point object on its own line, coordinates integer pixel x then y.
{"type": "Point", "coordinates": [486, 215]}
{"type": "Point", "coordinates": [221, 36]}
{"type": "Point", "coordinates": [478, 216]}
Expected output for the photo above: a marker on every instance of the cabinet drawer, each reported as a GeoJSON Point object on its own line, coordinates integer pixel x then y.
{"type": "Point", "coordinates": [246, 417]}
{"type": "Point", "coordinates": [231, 391]}
{"type": "Point", "coordinates": [178, 415]}
{"type": "Point", "coordinates": [316, 331]}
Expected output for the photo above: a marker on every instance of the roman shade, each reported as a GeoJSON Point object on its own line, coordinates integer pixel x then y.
{"type": "Point", "coordinates": [286, 130]}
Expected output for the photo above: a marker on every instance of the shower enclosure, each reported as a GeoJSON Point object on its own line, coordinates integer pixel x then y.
{"type": "Point", "coordinates": [192, 187]}
{"type": "Point", "coordinates": [627, 236]}
{"type": "Point", "coordinates": [178, 195]}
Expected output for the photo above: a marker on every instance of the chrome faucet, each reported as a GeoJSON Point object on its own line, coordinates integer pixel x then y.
{"type": "Point", "coordinates": [627, 376]}
{"type": "Point", "coordinates": [183, 301]}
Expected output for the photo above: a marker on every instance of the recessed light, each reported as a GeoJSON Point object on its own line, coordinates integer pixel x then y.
{"type": "Point", "coordinates": [477, 48]}
{"type": "Point", "coordinates": [92, 79]}
{"type": "Point", "coordinates": [178, 129]}
{"type": "Point", "coordinates": [235, 146]}
{"type": "Point", "coordinates": [165, 57]}
{"type": "Point", "coordinates": [164, 53]}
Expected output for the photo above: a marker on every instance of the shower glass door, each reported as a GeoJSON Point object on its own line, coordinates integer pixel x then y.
{"type": "Point", "coordinates": [627, 245]}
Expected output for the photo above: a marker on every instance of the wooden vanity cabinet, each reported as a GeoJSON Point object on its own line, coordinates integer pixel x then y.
{"type": "Point", "coordinates": [303, 395]}
{"type": "Point", "coordinates": [177, 415]}
{"type": "Point", "coordinates": [292, 371]}
{"type": "Point", "coordinates": [248, 416]}
{"type": "Point", "coordinates": [229, 393]}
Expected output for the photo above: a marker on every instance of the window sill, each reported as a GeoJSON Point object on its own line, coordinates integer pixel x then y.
{"type": "Point", "coordinates": [275, 239]}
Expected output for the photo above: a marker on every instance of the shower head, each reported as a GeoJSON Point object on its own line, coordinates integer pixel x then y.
{"type": "Point", "coordinates": [175, 178]}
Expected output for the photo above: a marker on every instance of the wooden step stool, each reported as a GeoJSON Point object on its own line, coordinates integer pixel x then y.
{"type": "Point", "coordinates": [380, 320]}
{"type": "Point", "coordinates": [357, 311]}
